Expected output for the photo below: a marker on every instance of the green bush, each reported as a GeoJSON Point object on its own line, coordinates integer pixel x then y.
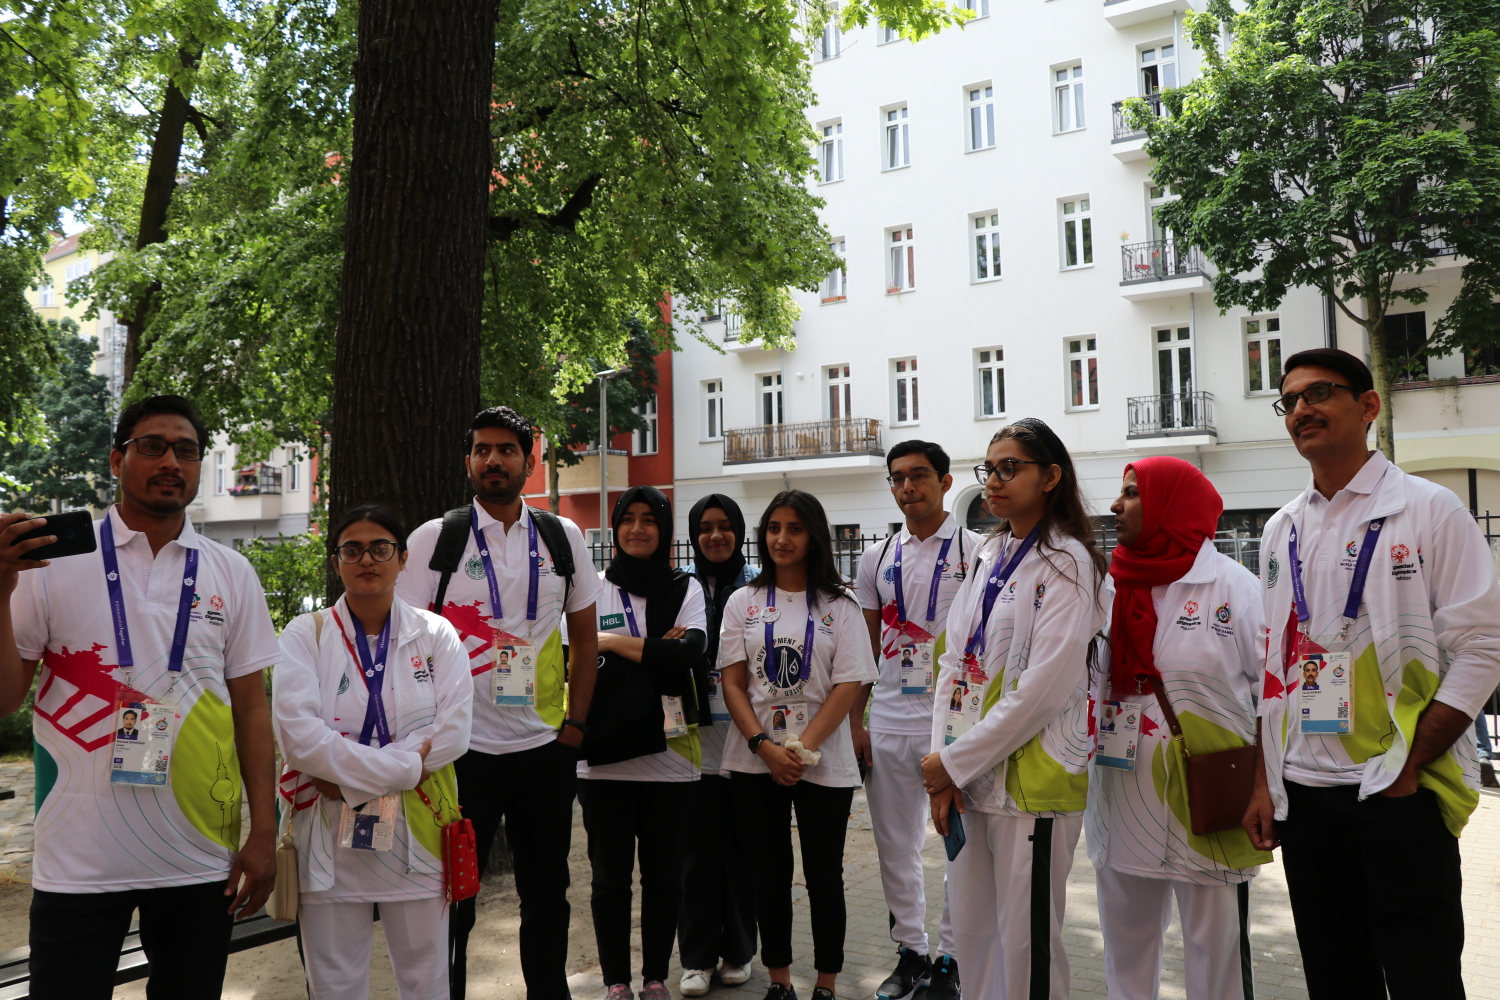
{"type": "Point", "coordinates": [291, 569]}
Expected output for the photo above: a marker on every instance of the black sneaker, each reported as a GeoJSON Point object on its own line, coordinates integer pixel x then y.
{"type": "Point", "coordinates": [822, 993]}
{"type": "Point", "coordinates": [779, 992]}
{"type": "Point", "coordinates": [911, 974]}
{"type": "Point", "coordinates": [944, 985]}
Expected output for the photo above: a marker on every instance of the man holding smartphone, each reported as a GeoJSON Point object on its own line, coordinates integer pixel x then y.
{"type": "Point", "coordinates": [119, 630]}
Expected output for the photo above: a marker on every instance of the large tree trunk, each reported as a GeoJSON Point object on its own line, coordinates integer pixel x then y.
{"type": "Point", "coordinates": [1385, 436]}
{"type": "Point", "coordinates": [406, 369]}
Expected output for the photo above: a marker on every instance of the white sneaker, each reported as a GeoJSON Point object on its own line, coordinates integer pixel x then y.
{"type": "Point", "coordinates": [734, 975]}
{"type": "Point", "coordinates": [694, 982]}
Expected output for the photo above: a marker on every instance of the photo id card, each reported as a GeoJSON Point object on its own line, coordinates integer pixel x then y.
{"type": "Point", "coordinates": [1119, 735]}
{"type": "Point", "coordinates": [513, 676]}
{"type": "Point", "coordinates": [674, 722]}
{"type": "Point", "coordinates": [917, 659]}
{"type": "Point", "coordinates": [371, 827]}
{"type": "Point", "coordinates": [965, 706]}
{"type": "Point", "coordinates": [144, 733]}
{"type": "Point", "coordinates": [1325, 689]}
{"type": "Point", "coordinates": [787, 722]}
{"type": "Point", "coordinates": [717, 711]}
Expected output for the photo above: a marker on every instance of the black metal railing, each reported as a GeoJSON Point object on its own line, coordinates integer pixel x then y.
{"type": "Point", "coordinates": [262, 480]}
{"type": "Point", "coordinates": [1158, 260]}
{"type": "Point", "coordinates": [847, 551]}
{"type": "Point", "coordinates": [1171, 413]}
{"type": "Point", "coordinates": [734, 323]}
{"type": "Point", "coordinates": [813, 439]}
{"type": "Point", "coordinates": [1123, 129]}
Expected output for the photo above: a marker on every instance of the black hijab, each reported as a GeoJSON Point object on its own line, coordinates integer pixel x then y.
{"type": "Point", "coordinates": [653, 578]}
{"type": "Point", "coordinates": [725, 573]}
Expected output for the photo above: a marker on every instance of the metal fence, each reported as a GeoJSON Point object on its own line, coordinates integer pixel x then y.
{"type": "Point", "coordinates": [809, 439]}
{"type": "Point", "coordinates": [1170, 413]}
{"type": "Point", "coordinates": [1158, 260]}
{"type": "Point", "coordinates": [1123, 130]}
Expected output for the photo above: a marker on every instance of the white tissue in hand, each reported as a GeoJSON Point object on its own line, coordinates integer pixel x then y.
{"type": "Point", "coordinates": [809, 757]}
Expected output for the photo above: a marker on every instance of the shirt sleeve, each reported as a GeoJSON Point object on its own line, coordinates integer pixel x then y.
{"type": "Point", "coordinates": [251, 642]}
{"type": "Point", "coordinates": [732, 629]}
{"type": "Point", "coordinates": [28, 614]}
{"type": "Point", "coordinates": [585, 579]}
{"type": "Point", "coordinates": [1465, 598]}
{"type": "Point", "coordinates": [417, 585]}
{"type": "Point", "coordinates": [1249, 629]}
{"type": "Point", "coordinates": [867, 580]}
{"type": "Point", "coordinates": [853, 659]}
{"type": "Point", "coordinates": [694, 610]}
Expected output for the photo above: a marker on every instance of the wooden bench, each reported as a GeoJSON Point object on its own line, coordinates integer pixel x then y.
{"type": "Point", "coordinates": [15, 965]}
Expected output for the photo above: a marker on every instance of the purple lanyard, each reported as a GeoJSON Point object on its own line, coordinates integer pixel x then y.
{"type": "Point", "coordinates": [807, 640]}
{"type": "Point", "coordinates": [978, 642]}
{"type": "Point", "coordinates": [369, 668]}
{"type": "Point", "coordinates": [117, 601]}
{"type": "Point", "coordinates": [932, 592]}
{"type": "Point", "coordinates": [1356, 586]}
{"type": "Point", "coordinates": [489, 568]}
{"type": "Point", "coordinates": [629, 613]}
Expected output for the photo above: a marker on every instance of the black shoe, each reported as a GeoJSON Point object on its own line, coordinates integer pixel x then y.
{"type": "Point", "coordinates": [822, 993]}
{"type": "Point", "coordinates": [779, 992]}
{"type": "Point", "coordinates": [911, 974]}
{"type": "Point", "coordinates": [944, 985]}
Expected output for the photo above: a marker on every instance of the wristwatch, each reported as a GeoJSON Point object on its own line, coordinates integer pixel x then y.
{"type": "Point", "coordinates": [756, 740]}
{"type": "Point", "coordinates": [582, 727]}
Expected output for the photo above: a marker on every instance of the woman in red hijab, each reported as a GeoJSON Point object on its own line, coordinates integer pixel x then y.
{"type": "Point", "coordinates": [1187, 621]}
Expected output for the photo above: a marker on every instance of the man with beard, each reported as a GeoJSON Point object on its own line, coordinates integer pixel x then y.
{"type": "Point", "coordinates": [509, 592]}
{"type": "Point", "coordinates": [116, 627]}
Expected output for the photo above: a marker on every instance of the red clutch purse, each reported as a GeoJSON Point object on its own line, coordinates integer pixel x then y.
{"type": "Point", "coordinates": [460, 855]}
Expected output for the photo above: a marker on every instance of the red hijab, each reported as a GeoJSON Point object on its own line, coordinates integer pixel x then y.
{"type": "Point", "coordinates": [1180, 509]}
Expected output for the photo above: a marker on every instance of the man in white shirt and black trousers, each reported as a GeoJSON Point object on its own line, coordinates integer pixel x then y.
{"type": "Point", "coordinates": [908, 632]}
{"type": "Point", "coordinates": [1380, 585]}
{"type": "Point", "coordinates": [507, 597]}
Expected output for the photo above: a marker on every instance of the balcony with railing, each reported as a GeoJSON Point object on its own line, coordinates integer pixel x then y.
{"type": "Point", "coordinates": [1159, 268]}
{"type": "Point", "coordinates": [256, 494]}
{"type": "Point", "coordinates": [846, 444]}
{"type": "Point", "coordinates": [1185, 416]}
{"type": "Point", "coordinates": [1124, 13]}
{"type": "Point", "coordinates": [1129, 143]}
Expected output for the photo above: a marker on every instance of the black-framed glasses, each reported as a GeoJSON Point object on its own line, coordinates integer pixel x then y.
{"type": "Point", "coordinates": [1318, 392]}
{"type": "Point", "coordinates": [380, 550]}
{"type": "Point", "coordinates": [917, 477]}
{"type": "Point", "coordinates": [1005, 471]}
{"type": "Point", "coordinates": [155, 447]}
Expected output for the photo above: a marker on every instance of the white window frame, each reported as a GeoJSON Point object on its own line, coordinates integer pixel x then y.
{"type": "Point", "coordinates": [713, 410]}
{"type": "Point", "coordinates": [1160, 61]}
{"type": "Point", "coordinates": [76, 270]}
{"type": "Point", "coordinates": [900, 260]}
{"type": "Point", "coordinates": [979, 111]}
{"type": "Point", "coordinates": [989, 361]}
{"type": "Point", "coordinates": [221, 466]}
{"type": "Point", "coordinates": [836, 282]}
{"type": "Point", "coordinates": [293, 471]}
{"type": "Point", "coordinates": [829, 44]}
{"type": "Point", "coordinates": [775, 389]}
{"type": "Point", "coordinates": [45, 293]}
{"type": "Point", "coordinates": [885, 34]}
{"type": "Point", "coordinates": [1262, 331]}
{"type": "Point", "coordinates": [895, 140]}
{"type": "Point", "coordinates": [984, 262]}
{"type": "Point", "coordinates": [1075, 231]}
{"type": "Point", "coordinates": [1077, 353]}
{"type": "Point", "coordinates": [981, 8]}
{"type": "Point", "coordinates": [905, 392]}
{"type": "Point", "coordinates": [838, 392]}
{"type": "Point", "coordinates": [831, 152]}
{"type": "Point", "coordinates": [1067, 98]}
{"type": "Point", "coordinates": [646, 441]}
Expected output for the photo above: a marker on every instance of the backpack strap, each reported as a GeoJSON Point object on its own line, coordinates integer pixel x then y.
{"type": "Point", "coordinates": [449, 550]}
{"type": "Point", "coordinates": [550, 527]}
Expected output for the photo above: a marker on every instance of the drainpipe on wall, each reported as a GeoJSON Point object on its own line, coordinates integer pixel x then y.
{"type": "Point", "coordinates": [1330, 324]}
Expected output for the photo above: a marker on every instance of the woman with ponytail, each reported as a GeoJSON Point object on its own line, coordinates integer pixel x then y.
{"type": "Point", "coordinates": [1185, 637]}
{"type": "Point", "coordinates": [1008, 773]}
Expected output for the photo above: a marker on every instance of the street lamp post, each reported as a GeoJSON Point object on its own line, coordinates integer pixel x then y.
{"type": "Point", "coordinates": [604, 461]}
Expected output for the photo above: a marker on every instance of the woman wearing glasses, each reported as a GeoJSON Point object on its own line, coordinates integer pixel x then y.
{"type": "Point", "coordinates": [1010, 764]}
{"type": "Point", "coordinates": [372, 702]}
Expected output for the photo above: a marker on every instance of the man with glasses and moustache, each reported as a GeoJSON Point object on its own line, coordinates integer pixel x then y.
{"type": "Point", "coordinates": [1378, 584]}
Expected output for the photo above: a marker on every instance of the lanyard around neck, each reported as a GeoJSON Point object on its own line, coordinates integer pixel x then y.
{"type": "Point", "coordinates": [372, 671]}
{"type": "Point", "coordinates": [978, 642]}
{"type": "Point", "coordinates": [932, 591]}
{"type": "Point", "coordinates": [1356, 586]}
{"type": "Point", "coordinates": [117, 601]}
{"type": "Point", "coordinates": [629, 613]}
{"type": "Point", "coordinates": [807, 639]}
{"type": "Point", "coordinates": [532, 576]}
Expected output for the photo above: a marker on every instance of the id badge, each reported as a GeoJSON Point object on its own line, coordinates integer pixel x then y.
{"type": "Point", "coordinates": [717, 711]}
{"type": "Point", "coordinates": [371, 827]}
{"type": "Point", "coordinates": [965, 707]}
{"type": "Point", "coordinates": [787, 722]}
{"type": "Point", "coordinates": [674, 722]}
{"type": "Point", "coordinates": [1324, 683]}
{"type": "Point", "coordinates": [1119, 735]}
{"type": "Point", "coordinates": [916, 658]}
{"type": "Point", "coordinates": [513, 674]}
{"type": "Point", "coordinates": [145, 730]}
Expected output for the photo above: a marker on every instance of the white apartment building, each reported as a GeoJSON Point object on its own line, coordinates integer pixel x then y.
{"type": "Point", "coordinates": [259, 499]}
{"type": "Point", "coordinates": [996, 217]}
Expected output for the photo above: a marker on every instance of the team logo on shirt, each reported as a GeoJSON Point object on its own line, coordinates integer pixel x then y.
{"type": "Point", "coordinates": [197, 600]}
{"type": "Point", "coordinates": [785, 670]}
{"type": "Point", "coordinates": [474, 568]}
{"type": "Point", "coordinates": [1189, 619]}
{"type": "Point", "coordinates": [1191, 607]}
{"type": "Point", "coordinates": [1351, 549]}
{"type": "Point", "coordinates": [1402, 567]}
{"type": "Point", "coordinates": [828, 620]}
{"type": "Point", "coordinates": [1221, 621]}
{"type": "Point", "coordinates": [1273, 572]}
{"type": "Point", "coordinates": [889, 574]}
{"type": "Point", "coordinates": [1400, 553]}
{"type": "Point", "coordinates": [343, 683]}
{"type": "Point", "coordinates": [419, 674]}
{"type": "Point", "coordinates": [1036, 603]}
{"type": "Point", "coordinates": [1222, 614]}
{"type": "Point", "coordinates": [217, 602]}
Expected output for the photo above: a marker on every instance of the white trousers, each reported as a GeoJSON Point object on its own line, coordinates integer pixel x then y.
{"type": "Point", "coordinates": [337, 938]}
{"type": "Point", "coordinates": [899, 814]}
{"type": "Point", "coordinates": [1134, 912]}
{"type": "Point", "coordinates": [1009, 890]}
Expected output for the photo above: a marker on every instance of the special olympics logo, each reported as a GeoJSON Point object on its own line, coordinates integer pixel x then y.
{"type": "Point", "coordinates": [1222, 614]}
{"type": "Point", "coordinates": [1191, 607]}
{"type": "Point", "coordinates": [1400, 553]}
{"type": "Point", "coordinates": [217, 602]}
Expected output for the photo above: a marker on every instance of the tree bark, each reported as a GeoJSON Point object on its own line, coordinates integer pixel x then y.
{"type": "Point", "coordinates": [1385, 437]}
{"type": "Point", "coordinates": [406, 367]}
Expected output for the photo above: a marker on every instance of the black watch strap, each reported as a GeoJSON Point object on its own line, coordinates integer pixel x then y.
{"type": "Point", "coordinates": [756, 740]}
{"type": "Point", "coordinates": [582, 727]}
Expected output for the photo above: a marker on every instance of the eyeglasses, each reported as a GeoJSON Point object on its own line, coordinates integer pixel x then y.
{"type": "Point", "coordinates": [1318, 392]}
{"type": "Point", "coordinates": [1005, 471]}
{"type": "Point", "coordinates": [917, 478]}
{"type": "Point", "coordinates": [380, 551]}
{"type": "Point", "coordinates": [155, 447]}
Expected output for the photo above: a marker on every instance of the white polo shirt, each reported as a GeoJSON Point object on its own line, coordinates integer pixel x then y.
{"type": "Point", "coordinates": [93, 836]}
{"type": "Point", "coordinates": [875, 587]}
{"type": "Point", "coordinates": [467, 606]}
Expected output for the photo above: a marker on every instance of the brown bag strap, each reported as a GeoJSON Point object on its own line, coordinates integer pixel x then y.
{"type": "Point", "coordinates": [1171, 716]}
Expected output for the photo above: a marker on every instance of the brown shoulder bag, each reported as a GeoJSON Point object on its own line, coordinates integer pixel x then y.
{"type": "Point", "coordinates": [1219, 784]}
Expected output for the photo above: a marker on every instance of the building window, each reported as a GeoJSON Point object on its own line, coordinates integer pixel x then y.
{"type": "Point", "coordinates": [713, 410]}
{"type": "Point", "coordinates": [221, 471]}
{"type": "Point", "coordinates": [76, 271]}
{"type": "Point", "coordinates": [293, 471]}
{"type": "Point", "coordinates": [897, 138]}
{"type": "Point", "coordinates": [44, 293]}
{"type": "Point", "coordinates": [1174, 361]}
{"type": "Point", "coordinates": [839, 391]}
{"type": "Point", "coordinates": [885, 34]}
{"type": "Point", "coordinates": [831, 155]}
{"type": "Point", "coordinates": [1158, 69]}
{"type": "Point", "coordinates": [901, 274]}
{"type": "Point", "coordinates": [990, 369]}
{"type": "Point", "coordinates": [1263, 353]}
{"type": "Point", "coordinates": [905, 375]}
{"type": "Point", "coordinates": [828, 45]}
{"type": "Point", "coordinates": [986, 247]}
{"type": "Point", "coordinates": [981, 117]}
{"type": "Point", "coordinates": [836, 284]}
{"type": "Point", "coordinates": [1077, 233]}
{"type": "Point", "coordinates": [1083, 372]}
{"type": "Point", "coordinates": [1406, 346]}
{"type": "Point", "coordinates": [981, 8]}
{"type": "Point", "coordinates": [1067, 98]}
{"type": "Point", "coordinates": [770, 399]}
{"type": "Point", "coordinates": [645, 438]}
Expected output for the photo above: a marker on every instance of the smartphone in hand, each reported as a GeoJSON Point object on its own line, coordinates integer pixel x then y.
{"type": "Point", "coordinates": [954, 841]}
{"type": "Point", "coordinates": [74, 531]}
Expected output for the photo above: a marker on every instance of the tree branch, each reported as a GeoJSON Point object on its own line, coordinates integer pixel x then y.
{"type": "Point", "coordinates": [564, 220]}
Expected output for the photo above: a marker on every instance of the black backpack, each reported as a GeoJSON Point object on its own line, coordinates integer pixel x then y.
{"type": "Point", "coordinates": [454, 537]}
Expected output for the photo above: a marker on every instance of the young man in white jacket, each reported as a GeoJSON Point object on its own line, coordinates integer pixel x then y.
{"type": "Point", "coordinates": [1384, 614]}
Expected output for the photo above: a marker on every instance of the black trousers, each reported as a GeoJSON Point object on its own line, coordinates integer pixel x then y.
{"type": "Point", "coordinates": [532, 792]}
{"type": "Point", "coordinates": [76, 939]}
{"type": "Point", "coordinates": [718, 889]}
{"type": "Point", "coordinates": [623, 819]}
{"type": "Point", "coordinates": [764, 810]}
{"type": "Point", "coordinates": [1375, 892]}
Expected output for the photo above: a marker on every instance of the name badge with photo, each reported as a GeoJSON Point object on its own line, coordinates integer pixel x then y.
{"type": "Point", "coordinates": [716, 708]}
{"type": "Point", "coordinates": [1118, 742]}
{"type": "Point", "coordinates": [965, 707]}
{"type": "Point", "coordinates": [513, 675]}
{"type": "Point", "coordinates": [371, 827]}
{"type": "Point", "coordinates": [788, 721]}
{"type": "Point", "coordinates": [917, 658]}
{"type": "Point", "coordinates": [674, 722]}
{"type": "Point", "coordinates": [1324, 686]}
{"type": "Point", "coordinates": [145, 731]}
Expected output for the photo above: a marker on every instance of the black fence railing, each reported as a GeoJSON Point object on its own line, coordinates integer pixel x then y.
{"type": "Point", "coordinates": [846, 553]}
{"type": "Point", "coordinates": [812, 439]}
{"type": "Point", "coordinates": [1158, 260]}
{"type": "Point", "coordinates": [1124, 132]}
{"type": "Point", "coordinates": [1170, 413]}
